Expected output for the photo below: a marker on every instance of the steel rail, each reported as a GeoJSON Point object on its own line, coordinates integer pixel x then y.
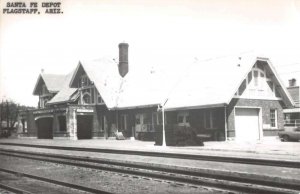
{"type": "Point", "coordinates": [235, 183]}
{"type": "Point", "coordinates": [228, 159]}
{"type": "Point", "coordinates": [14, 189]}
{"type": "Point", "coordinates": [61, 183]}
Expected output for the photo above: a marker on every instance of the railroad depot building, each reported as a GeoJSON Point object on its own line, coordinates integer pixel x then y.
{"type": "Point", "coordinates": [226, 98]}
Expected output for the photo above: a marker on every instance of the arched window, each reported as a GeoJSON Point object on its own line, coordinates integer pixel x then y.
{"type": "Point", "coordinates": [86, 98]}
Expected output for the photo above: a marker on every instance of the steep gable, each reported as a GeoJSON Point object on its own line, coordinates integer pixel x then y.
{"type": "Point", "coordinates": [51, 81]}
{"type": "Point", "coordinates": [214, 82]}
{"type": "Point", "coordinates": [66, 93]}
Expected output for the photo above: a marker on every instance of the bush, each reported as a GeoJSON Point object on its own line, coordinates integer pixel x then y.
{"type": "Point", "coordinates": [186, 136]}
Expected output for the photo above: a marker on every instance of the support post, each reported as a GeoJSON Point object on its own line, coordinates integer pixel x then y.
{"type": "Point", "coordinates": [164, 131]}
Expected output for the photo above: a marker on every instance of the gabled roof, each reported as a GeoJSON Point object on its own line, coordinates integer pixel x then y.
{"type": "Point", "coordinates": [213, 82]}
{"type": "Point", "coordinates": [51, 81]}
{"type": "Point", "coordinates": [104, 74]}
{"type": "Point", "coordinates": [66, 93]}
{"type": "Point", "coordinates": [138, 88]}
{"type": "Point", "coordinates": [206, 83]}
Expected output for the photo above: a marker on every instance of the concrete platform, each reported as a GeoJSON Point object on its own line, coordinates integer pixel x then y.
{"type": "Point", "coordinates": [268, 149]}
{"type": "Point", "coordinates": [274, 149]}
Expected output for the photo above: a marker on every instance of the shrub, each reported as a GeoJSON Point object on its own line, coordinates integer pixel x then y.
{"type": "Point", "coordinates": [186, 136]}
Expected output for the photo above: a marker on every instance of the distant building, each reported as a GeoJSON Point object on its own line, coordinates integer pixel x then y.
{"type": "Point", "coordinates": [292, 115]}
{"type": "Point", "coordinates": [234, 97]}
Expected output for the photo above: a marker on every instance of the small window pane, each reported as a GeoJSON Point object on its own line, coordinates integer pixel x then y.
{"type": "Point", "coordinates": [270, 84]}
{"type": "Point", "coordinates": [137, 119]}
{"type": "Point", "coordinates": [260, 66]}
{"type": "Point", "coordinates": [187, 119]}
{"type": "Point", "coordinates": [249, 77]}
{"type": "Point", "coordinates": [180, 119]}
{"type": "Point", "coordinates": [255, 78]}
{"type": "Point", "coordinates": [277, 94]}
{"type": "Point", "coordinates": [273, 117]}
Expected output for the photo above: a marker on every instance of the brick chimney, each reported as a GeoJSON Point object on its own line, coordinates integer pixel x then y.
{"type": "Point", "coordinates": [123, 59]}
{"type": "Point", "coordinates": [292, 82]}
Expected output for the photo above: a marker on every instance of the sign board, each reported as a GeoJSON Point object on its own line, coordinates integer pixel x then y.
{"type": "Point", "coordinates": [85, 110]}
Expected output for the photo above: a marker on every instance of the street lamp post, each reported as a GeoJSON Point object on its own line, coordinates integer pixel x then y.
{"type": "Point", "coordinates": [164, 131]}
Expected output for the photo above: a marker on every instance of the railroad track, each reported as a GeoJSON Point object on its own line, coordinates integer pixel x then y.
{"type": "Point", "coordinates": [13, 189]}
{"type": "Point", "coordinates": [197, 177]}
{"type": "Point", "coordinates": [239, 160]}
{"type": "Point", "coordinates": [48, 180]}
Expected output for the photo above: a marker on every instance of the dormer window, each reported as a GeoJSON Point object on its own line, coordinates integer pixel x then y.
{"type": "Point", "coordinates": [84, 81]}
{"type": "Point", "coordinates": [90, 95]}
{"type": "Point", "coordinates": [86, 98]}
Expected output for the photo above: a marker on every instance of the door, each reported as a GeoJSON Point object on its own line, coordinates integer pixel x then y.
{"type": "Point", "coordinates": [247, 124]}
{"type": "Point", "coordinates": [84, 126]}
{"type": "Point", "coordinates": [44, 128]}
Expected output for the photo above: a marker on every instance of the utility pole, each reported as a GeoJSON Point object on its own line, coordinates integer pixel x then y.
{"type": "Point", "coordinates": [7, 115]}
{"type": "Point", "coordinates": [164, 131]}
{"type": "Point", "coordinates": [162, 108]}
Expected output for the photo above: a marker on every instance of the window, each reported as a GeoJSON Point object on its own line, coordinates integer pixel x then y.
{"type": "Point", "coordinates": [183, 119]}
{"type": "Point", "coordinates": [273, 118]}
{"type": "Point", "coordinates": [89, 96]}
{"type": "Point", "coordinates": [210, 119]}
{"type": "Point", "coordinates": [277, 94]}
{"type": "Point", "coordinates": [255, 78]}
{"type": "Point", "coordinates": [123, 124]}
{"type": "Point", "coordinates": [84, 81]}
{"type": "Point", "coordinates": [270, 84]}
{"type": "Point", "coordinates": [249, 77]}
{"type": "Point", "coordinates": [157, 118]}
{"type": "Point", "coordinates": [86, 98]}
{"type": "Point", "coordinates": [147, 119]}
{"type": "Point", "coordinates": [137, 119]}
{"type": "Point", "coordinates": [260, 66]}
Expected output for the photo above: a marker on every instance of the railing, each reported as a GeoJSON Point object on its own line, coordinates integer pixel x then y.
{"type": "Point", "coordinates": [292, 123]}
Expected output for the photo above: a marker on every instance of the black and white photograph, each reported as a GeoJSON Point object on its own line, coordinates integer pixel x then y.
{"type": "Point", "coordinates": [149, 96]}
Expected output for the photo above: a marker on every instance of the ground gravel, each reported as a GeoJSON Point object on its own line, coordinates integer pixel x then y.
{"type": "Point", "coordinates": [104, 180]}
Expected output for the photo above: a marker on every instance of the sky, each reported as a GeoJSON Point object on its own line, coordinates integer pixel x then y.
{"type": "Point", "coordinates": [156, 31]}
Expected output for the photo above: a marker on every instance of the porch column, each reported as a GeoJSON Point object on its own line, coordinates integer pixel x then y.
{"type": "Point", "coordinates": [55, 127]}
{"type": "Point", "coordinates": [72, 123]}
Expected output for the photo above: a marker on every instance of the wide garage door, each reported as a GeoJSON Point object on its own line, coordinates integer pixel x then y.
{"type": "Point", "coordinates": [44, 128]}
{"type": "Point", "coordinates": [247, 124]}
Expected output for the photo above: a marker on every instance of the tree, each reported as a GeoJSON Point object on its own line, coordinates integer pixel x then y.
{"type": "Point", "coordinates": [9, 114]}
